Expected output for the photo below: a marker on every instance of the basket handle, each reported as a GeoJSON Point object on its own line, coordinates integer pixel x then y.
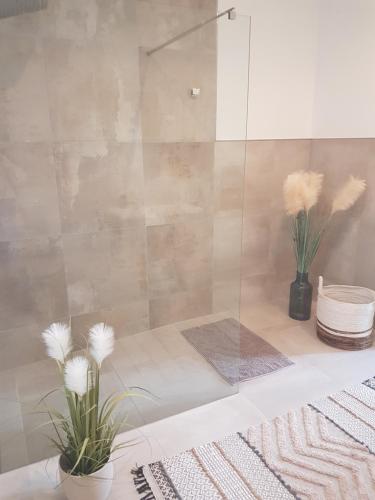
{"type": "Point", "coordinates": [320, 286]}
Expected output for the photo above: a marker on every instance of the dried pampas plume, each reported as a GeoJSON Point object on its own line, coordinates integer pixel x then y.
{"type": "Point", "coordinates": [348, 194]}
{"type": "Point", "coordinates": [58, 341]}
{"type": "Point", "coordinates": [76, 375]}
{"type": "Point", "coordinates": [101, 342]}
{"type": "Point", "coordinates": [301, 191]}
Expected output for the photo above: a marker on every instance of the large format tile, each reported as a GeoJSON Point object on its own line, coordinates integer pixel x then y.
{"type": "Point", "coordinates": [267, 165]}
{"type": "Point", "coordinates": [229, 173]}
{"type": "Point", "coordinates": [344, 253]}
{"type": "Point", "coordinates": [28, 195]}
{"type": "Point", "coordinates": [179, 257]}
{"type": "Point", "coordinates": [87, 20]}
{"type": "Point", "coordinates": [227, 263]}
{"type": "Point", "coordinates": [87, 104]}
{"type": "Point", "coordinates": [100, 185]}
{"type": "Point", "coordinates": [23, 104]}
{"type": "Point", "coordinates": [105, 270]}
{"type": "Point", "coordinates": [126, 319]}
{"type": "Point", "coordinates": [169, 112]}
{"type": "Point", "coordinates": [285, 389]}
{"type": "Point", "coordinates": [160, 21]}
{"type": "Point", "coordinates": [267, 247]}
{"type": "Point", "coordinates": [178, 181]}
{"type": "Point", "coordinates": [164, 363]}
{"type": "Point", "coordinates": [210, 422]}
{"type": "Point", "coordinates": [33, 283]}
{"type": "Point", "coordinates": [180, 305]}
{"type": "Point", "coordinates": [20, 346]}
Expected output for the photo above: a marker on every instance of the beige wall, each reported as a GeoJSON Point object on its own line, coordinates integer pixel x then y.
{"type": "Point", "coordinates": [347, 248]}
{"type": "Point", "coordinates": [114, 198]}
{"type": "Point", "coordinates": [267, 259]}
{"type": "Point", "coordinates": [345, 255]}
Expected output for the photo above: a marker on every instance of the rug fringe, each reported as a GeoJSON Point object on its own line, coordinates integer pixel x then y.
{"type": "Point", "coordinates": [141, 484]}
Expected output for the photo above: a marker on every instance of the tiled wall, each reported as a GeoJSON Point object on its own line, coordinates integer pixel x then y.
{"type": "Point", "coordinates": [345, 255]}
{"type": "Point", "coordinates": [115, 200]}
{"type": "Point", "coordinates": [267, 258]}
{"type": "Point", "coordinates": [347, 249]}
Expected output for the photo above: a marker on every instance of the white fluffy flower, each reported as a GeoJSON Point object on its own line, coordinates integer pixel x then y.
{"type": "Point", "coordinates": [58, 341]}
{"type": "Point", "coordinates": [76, 375]}
{"type": "Point", "coordinates": [101, 342]}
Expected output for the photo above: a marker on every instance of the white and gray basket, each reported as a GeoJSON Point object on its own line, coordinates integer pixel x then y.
{"type": "Point", "coordinates": [345, 316]}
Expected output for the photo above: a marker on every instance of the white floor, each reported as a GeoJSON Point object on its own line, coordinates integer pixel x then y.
{"type": "Point", "coordinates": [317, 371]}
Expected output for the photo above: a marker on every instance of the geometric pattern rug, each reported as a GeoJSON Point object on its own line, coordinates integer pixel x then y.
{"type": "Point", "coordinates": [323, 451]}
{"type": "Point", "coordinates": [236, 353]}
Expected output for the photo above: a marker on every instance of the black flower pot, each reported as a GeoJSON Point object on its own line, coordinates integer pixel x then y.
{"type": "Point", "coordinates": [300, 298]}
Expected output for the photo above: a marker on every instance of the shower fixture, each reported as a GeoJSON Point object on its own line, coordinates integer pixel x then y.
{"type": "Point", "coordinates": [10, 8]}
{"type": "Point", "coordinates": [230, 13]}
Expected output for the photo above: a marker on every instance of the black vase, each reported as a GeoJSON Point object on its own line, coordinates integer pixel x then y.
{"type": "Point", "coordinates": [300, 297]}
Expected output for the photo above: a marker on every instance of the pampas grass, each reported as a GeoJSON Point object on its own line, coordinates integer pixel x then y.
{"type": "Point", "coordinates": [85, 435]}
{"type": "Point", "coordinates": [58, 341]}
{"type": "Point", "coordinates": [301, 191]}
{"type": "Point", "coordinates": [348, 194]}
{"type": "Point", "coordinates": [101, 339]}
{"type": "Point", "coordinates": [77, 375]}
{"type": "Point", "coordinates": [301, 194]}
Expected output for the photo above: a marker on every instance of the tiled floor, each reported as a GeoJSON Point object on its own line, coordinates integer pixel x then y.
{"type": "Point", "coordinates": [160, 360]}
{"type": "Point", "coordinates": [317, 371]}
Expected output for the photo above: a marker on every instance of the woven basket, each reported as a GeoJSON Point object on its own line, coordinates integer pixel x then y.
{"type": "Point", "coordinates": [345, 316]}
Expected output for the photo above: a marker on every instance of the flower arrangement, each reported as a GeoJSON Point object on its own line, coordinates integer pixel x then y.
{"type": "Point", "coordinates": [85, 436]}
{"type": "Point", "coordinates": [301, 193]}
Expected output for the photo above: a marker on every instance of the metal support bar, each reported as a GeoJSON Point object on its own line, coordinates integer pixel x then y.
{"type": "Point", "coordinates": [229, 12]}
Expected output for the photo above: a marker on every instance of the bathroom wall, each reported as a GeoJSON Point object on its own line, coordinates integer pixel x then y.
{"type": "Point", "coordinates": [311, 77]}
{"type": "Point", "coordinates": [115, 197]}
{"type": "Point", "coordinates": [347, 247]}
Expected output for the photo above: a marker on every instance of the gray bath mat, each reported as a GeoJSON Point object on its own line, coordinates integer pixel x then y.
{"type": "Point", "coordinates": [235, 352]}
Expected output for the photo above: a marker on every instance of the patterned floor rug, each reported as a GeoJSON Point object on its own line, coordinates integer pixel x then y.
{"type": "Point", "coordinates": [236, 353]}
{"type": "Point", "coordinates": [323, 451]}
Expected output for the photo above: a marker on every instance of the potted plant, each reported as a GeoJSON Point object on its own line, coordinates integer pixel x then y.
{"type": "Point", "coordinates": [85, 435]}
{"type": "Point", "coordinates": [301, 193]}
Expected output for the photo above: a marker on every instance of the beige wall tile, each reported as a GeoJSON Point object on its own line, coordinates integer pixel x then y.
{"type": "Point", "coordinates": [104, 270]}
{"type": "Point", "coordinates": [179, 306]}
{"type": "Point", "coordinates": [21, 346]}
{"type": "Point", "coordinates": [193, 4]}
{"type": "Point", "coordinates": [267, 165]}
{"type": "Point", "coordinates": [128, 319]}
{"type": "Point", "coordinates": [227, 247]}
{"type": "Point", "coordinates": [100, 185]}
{"type": "Point", "coordinates": [256, 245]}
{"type": "Point", "coordinates": [229, 172]}
{"type": "Point", "coordinates": [179, 257]}
{"type": "Point", "coordinates": [23, 104]}
{"type": "Point", "coordinates": [159, 21]}
{"type": "Point", "coordinates": [178, 181]}
{"type": "Point", "coordinates": [33, 283]}
{"type": "Point", "coordinates": [346, 249]}
{"type": "Point", "coordinates": [267, 251]}
{"type": "Point", "coordinates": [87, 103]}
{"type": "Point", "coordinates": [169, 113]}
{"type": "Point", "coordinates": [28, 195]}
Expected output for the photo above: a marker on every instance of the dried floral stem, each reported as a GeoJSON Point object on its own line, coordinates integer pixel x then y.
{"type": "Point", "coordinates": [301, 193]}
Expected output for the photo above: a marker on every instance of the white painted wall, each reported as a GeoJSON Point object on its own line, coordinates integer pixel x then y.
{"type": "Point", "coordinates": [345, 74]}
{"type": "Point", "coordinates": [282, 67]}
{"type": "Point", "coordinates": [233, 39]}
{"type": "Point", "coordinates": [312, 69]}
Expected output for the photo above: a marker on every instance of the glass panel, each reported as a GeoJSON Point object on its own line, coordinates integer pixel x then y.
{"type": "Point", "coordinates": [122, 180]}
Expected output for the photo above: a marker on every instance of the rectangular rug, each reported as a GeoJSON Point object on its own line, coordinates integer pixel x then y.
{"type": "Point", "coordinates": [236, 353]}
{"type": "Point", "coordinates": [323, 451]}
